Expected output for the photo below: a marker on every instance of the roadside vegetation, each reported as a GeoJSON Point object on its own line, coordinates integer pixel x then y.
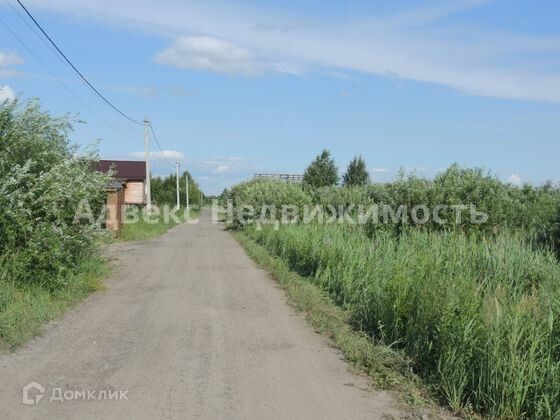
{"type": "Point", "coordinates": [387, 368]}
{"type": "Point", "coordinates": [164, 193]}
{"type": "Point", "coordinates": [47, 262]}
{"type": "Point", "coordinates": [143, 230]}
{"type": "Point", "coordinates": [24, 309]}
{"type": "Point", "coordinates": [472, 308]}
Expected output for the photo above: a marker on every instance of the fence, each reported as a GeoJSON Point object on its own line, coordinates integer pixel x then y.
{"type": "Point", "coordinates": [281, 177]}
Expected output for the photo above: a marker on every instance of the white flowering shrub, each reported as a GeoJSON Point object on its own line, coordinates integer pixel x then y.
{"type": "Point", "coordinates": [41, 184]}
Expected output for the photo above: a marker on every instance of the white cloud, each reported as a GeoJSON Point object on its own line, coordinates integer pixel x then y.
{"type": "Point", "coordinates": [171, 155]}
{"type": "Point", "coordinates": [418, 44]}
{"type": "Point", "coordinates": [379, 170]}
{"type": "Point", "coordinates": [514, 179]}
{"type": "Point", "coordinates": [206, 53]}
{"type": "Point", "coordinates": [219, 56]}
{"type": "Point", "coordinates": [7, 60]}
{"type": "Point", "coordinates": [216, 172]}
{"type": "Point", "coordinates": [222, 168]}
{"type": "Point", "coordinates": [6, 94]}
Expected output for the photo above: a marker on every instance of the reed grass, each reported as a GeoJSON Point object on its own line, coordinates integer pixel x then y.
{"type": "Point", "coordinates": [477, 317]}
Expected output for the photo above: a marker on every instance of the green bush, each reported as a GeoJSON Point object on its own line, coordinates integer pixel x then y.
{"type": "Point", "coordinates": [42, 183]}
{"type": "Point", "coordinates": [341, 197]}
{"type": "Point", "coordinates": [507, 206]}
{"type": "Point", "coordinates": [257, 195]}
{"type": "Point", "coordinates": [529, 209]}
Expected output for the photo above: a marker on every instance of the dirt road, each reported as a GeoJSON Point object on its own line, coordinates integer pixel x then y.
{"type": "Point", "coordinates": [188, 328]}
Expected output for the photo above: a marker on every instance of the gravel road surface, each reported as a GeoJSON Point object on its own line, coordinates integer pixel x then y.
{"type": "Point", "coordinates": [188, 328]}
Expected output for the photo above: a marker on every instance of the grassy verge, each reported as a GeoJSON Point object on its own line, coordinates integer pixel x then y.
{"type": "Point", "coordinates": [388, 369]}
{"type": "Point", "coordinates": [142, 230]}
{"type": "Point", "coordinates": [476, 317]}
{"type": "Point", "coordinates": [25, 309]}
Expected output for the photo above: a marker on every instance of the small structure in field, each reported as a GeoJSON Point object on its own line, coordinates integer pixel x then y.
{"type": "Point", "coordinates": [128, 188]}
{"type": "Point", "coordinates": [115, 203]}
{"type": "Point", "coordinates": [132, 174]}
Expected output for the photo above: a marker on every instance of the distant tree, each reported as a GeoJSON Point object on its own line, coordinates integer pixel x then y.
{"type": "Point", "coordinates": [356, 173]}
{"type": "Point", "coordinates": [164, 190]}
{"type": "Point", "coordinates": [322, 171]}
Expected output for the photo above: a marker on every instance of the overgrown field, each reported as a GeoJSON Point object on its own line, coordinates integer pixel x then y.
{"type": "Point", "coordinates": [475, 308]}
{"type": "Point", "coordinates": [47, 261]}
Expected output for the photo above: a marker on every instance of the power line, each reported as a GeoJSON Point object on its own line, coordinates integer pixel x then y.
{"type": "Point", "coordinates": [75, 68]}
{"type": "Point", "coordinates": [99, 94]}
{"type": "Point", "coordinates": [60, 81]}
{"type": "Point", "coordinates": [32, 29]}
{"type": "Point", "coordinates": [157, 142]}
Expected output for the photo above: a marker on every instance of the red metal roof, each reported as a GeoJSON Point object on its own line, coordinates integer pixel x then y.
{"type": "Point", "coordinates": [124, 169]}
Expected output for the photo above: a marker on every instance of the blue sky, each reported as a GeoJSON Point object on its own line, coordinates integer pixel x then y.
{"type": "Point", "coordinates": [263, 86]}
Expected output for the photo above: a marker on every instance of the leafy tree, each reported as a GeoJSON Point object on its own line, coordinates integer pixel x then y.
{"type": "Point", "coordinates": [322, 172]}
{"type": "Point", "coordinates": [356, 174]}
{"type": "Point", "coordinates": [164, 190]}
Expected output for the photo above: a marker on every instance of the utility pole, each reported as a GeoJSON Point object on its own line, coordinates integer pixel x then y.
{"type": "Point", "coordinates": [187, 190]}
{"type": "Point", "coordinates": [177, 170]}
{"type": "Point", "coordinates": [147, 156]}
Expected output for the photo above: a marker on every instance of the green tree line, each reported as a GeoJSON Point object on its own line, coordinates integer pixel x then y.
{"type": "Point", "coordinates": [164, 190]}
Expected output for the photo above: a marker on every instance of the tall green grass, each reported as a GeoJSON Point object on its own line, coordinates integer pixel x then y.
{"type": "Point", "coordinates": [478, 318]}
{"type": "Point", "coordinates": [24, 308]}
